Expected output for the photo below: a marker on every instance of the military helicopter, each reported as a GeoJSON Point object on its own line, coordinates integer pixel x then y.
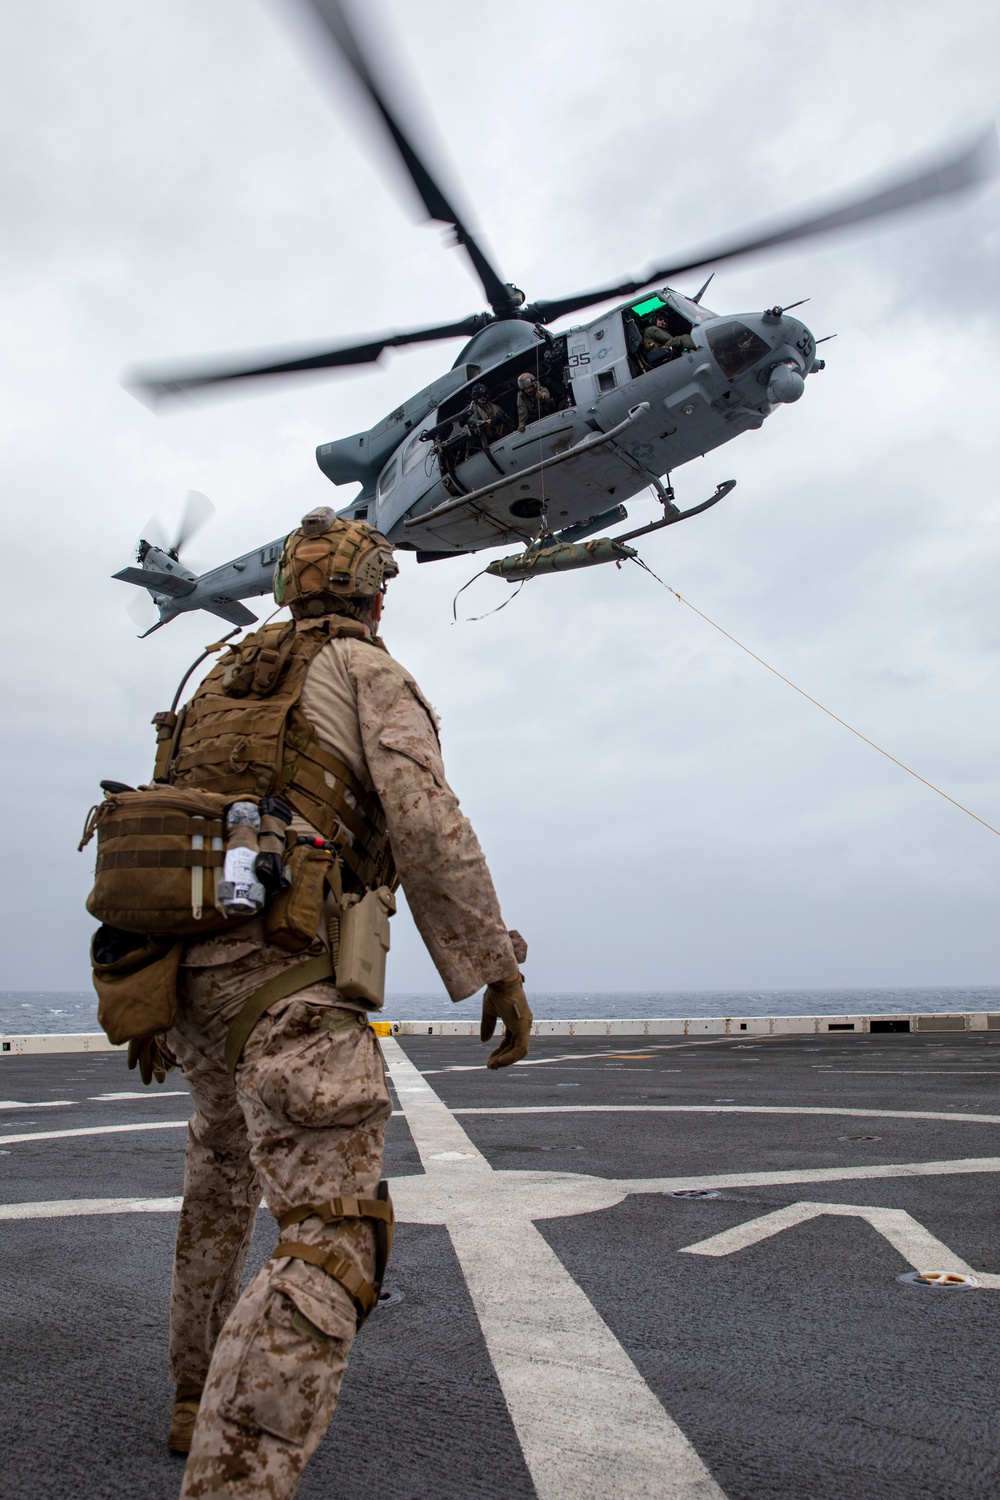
{"type": "Point", "coordinates": [625, 407]}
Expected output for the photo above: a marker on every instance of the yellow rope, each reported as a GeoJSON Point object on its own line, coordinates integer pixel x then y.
{"type": "Point", "coordinates": [829, 712]}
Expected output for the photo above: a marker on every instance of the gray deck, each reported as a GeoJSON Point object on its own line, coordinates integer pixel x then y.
{"type": "Point", "coordinates": [798, 1365]}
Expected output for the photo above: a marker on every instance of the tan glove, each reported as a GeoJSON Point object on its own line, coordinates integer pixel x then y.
{"type": "Point", "coordinates": [152, 1060]}
{"type": "Point", "coordinates": [507, 1002]}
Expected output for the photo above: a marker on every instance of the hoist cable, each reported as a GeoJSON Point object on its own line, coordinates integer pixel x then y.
{"type": "Point", "coordinates": [815, 701]}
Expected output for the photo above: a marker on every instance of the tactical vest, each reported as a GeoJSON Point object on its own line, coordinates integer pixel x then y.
{"type": "Point", "coordinates": [244, 734]}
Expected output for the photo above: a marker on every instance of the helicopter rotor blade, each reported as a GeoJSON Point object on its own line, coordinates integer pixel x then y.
{"type": "Point", "coordinates": [974, 164]}
{"type": "Point", "coordinates": [336, 21]}
{"type": "Point", "coordinates": [153, 386]}
{"type": "Point", "coordinates": [197, 510]}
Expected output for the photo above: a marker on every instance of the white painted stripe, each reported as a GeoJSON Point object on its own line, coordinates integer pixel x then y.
{"type": "Point", "coordinates": [918, 1247]}
{"type": "Point", "coordinates": [62, 1208]}
{"type": "Point", "coordinates": [62, 1135]}
{"type": "Point", "coordinates": [144, 1094]}
{"type": "Point", "coordinates": [724, 1109]}
{"type": "Point", "coordinates": [567, 1203]}
{"type": "Point", "coordinates": [93, 1099]}
{"type": "Point", "coordinates": [38, 1104]}
{"type": "Point", "coordinates": [573, 1057]}
{"type": "Point", "coordinates": [814, 1174]}
{"type": "Point", "coordinates": [588, 1424]}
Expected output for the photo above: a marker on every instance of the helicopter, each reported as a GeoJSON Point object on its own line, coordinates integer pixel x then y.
{"type": "Point", "coordinates": [581, 419]}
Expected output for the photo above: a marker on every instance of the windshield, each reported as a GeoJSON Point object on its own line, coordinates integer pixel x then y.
{"type": "Point", "coordinates": [735, 346]}
{"type": "Point", "coordinates": [693, 312]}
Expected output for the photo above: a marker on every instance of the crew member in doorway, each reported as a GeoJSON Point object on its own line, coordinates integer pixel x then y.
{"type": "Point", "coordinates": [485, 420]}
{"type": "Point", "coordinates": [533, 400]}
{"type": "Point", "coordinates": [659, 344]}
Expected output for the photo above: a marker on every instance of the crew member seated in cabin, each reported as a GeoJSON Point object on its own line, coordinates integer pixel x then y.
{"type": "Point", "coordinates": [533, 401]}
{"type": "Point", "coordinates": [659, 344]}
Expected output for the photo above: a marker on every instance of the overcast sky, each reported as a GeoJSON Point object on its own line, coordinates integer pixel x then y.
{"type": "Point", "coordinates": [183, 177]}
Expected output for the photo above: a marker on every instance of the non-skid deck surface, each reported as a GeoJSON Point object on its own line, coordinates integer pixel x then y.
{"type": "Point", "coordinates": [643, 1269]}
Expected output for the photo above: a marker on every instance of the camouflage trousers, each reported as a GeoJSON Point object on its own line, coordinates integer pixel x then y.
{"type": "Point", "coordinates": [303, 1122]}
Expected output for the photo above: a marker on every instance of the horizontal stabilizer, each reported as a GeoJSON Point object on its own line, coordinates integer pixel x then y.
{"type": "Point", "coordinates": [236, 614]}
{"type": "Point", "coordinates": [160, 583]}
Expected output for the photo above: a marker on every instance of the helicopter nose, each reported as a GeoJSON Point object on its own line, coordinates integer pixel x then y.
{"type": "Point", "coordinates": [785, 385]}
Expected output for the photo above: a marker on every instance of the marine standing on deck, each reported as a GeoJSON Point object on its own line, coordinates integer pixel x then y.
{"type": "Point", "coordinates": [302, 1119]}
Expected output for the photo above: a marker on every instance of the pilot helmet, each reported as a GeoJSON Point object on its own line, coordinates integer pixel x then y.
{"type": "Point", "coordinates": [526, 381]}
{"type": "Point", "coordinates": [332, 566]}
{"type": "Point", "coordinates": [479, 391]}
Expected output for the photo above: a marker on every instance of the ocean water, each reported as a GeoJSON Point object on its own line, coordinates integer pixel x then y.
{"type": "Point", "coordinates": [31, 1012]}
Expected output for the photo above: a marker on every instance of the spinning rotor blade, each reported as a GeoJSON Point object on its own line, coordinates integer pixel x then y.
{"type": "Point", "coordinates": [975, 164]}
{"type": "Point", "coordinates": [152, 386]}
{"type": "Point", "coordinates": [197, 510]}
{"type": "Point", "coordinates": [334, 18]}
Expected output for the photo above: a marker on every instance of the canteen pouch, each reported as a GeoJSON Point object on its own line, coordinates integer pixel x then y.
{"type": "Point", "coordinates": [364, 943]}
{"type": "Point", "coordinates": [151, 877]}
{"type": "Point", "coordinates": [136, 982]}
{"type": "Point", "coordinates": [292, 920]}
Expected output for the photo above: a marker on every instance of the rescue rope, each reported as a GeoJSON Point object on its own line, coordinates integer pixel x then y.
{"type": "Point", "coordinates": [828, 711]}
{"type": "Point", "coordinates": [471, 618]}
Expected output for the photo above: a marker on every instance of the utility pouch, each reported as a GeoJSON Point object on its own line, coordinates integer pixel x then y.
{"type": "Point", "coordinates": [292, 920]}
{"type": "Point", "coordinates": [165, 724]}
{"type": "Point", "coordinates": [159, 854]}
{"type": "Point", "coordinates": [364, 943]}
{"type": "Point", "coordinates": [136, 982]}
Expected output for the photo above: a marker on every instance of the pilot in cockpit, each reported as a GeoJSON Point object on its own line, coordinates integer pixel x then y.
{"type": "Point", "coordinates": [659, 344]}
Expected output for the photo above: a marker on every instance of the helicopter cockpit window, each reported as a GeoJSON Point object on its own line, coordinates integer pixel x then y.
{"type": "Point", "coordinates": [387, 483]}
{"type": "Point", "coordinates": [736, 347]}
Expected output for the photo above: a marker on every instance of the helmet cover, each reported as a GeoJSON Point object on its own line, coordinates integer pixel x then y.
{"type": "Point", "coordinates": [330, 562]}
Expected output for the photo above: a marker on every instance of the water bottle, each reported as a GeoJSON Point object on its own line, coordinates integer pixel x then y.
{"type": "Point", "coordinates": [240, 893]}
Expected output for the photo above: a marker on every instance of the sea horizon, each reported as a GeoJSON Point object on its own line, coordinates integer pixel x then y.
{"type": "Point", "coordinates": [48, 1012]}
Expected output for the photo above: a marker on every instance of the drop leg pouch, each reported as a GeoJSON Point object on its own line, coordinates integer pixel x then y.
{"type": "Point", "coordinates": [136, 983]}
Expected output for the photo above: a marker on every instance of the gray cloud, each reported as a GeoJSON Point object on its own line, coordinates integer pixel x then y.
{"type": "Point", "coordinates": [659, 811]}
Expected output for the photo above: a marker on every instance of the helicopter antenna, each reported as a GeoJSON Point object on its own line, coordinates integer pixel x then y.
{"type": "Point", "coordinates": [702, 290]}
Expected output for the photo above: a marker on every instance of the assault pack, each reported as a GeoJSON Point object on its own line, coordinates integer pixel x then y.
{"type": "Point", "coordinates": [242, 741]}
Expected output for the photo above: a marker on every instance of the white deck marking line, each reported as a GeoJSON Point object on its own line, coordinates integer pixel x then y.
{"type": "Point", "coordinates": [69, 1208]}
{"type": "Point", "coordinates": [915, 1072]}
{"type": "Point", "coordinates": [564, 1192]}
{"type": "Point", "coordinates": [61, 1135]}
{"type": "Point", "coordinates": [38, 1104]}
{"type": "Point", "coordinates": [148, 1094]}
{"type": "Point", "coordinates": [91, 1099]}
{"type": "Point", "coordinates": [538, 1062]}
{"type": "Point", "coordinates": [589, 1426]}
{"type": "Point", "coordinates": [915, 1244]}
{"type": "Point", "coordinates": [723, 1109]}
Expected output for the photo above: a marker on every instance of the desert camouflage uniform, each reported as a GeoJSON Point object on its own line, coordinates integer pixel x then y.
{"type": "Point", "coordinates": [303, 1122]}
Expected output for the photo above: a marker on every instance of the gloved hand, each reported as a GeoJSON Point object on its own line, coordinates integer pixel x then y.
{"type": "Point", "coordinates": [152, 1060]}
{"type": "Point", "coordinates": [507, 1002]}
{"type": "Point", "coordinates": [519, 945]}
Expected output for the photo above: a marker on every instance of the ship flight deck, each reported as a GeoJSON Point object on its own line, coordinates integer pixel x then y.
{"type": "Point", "coordinates": [646, 1266]}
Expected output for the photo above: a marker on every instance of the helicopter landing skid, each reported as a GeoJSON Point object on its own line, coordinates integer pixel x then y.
{"type": "Point", "coordinates": [552, 556]}
{"type": "Point", "coordinates": [673, 515]}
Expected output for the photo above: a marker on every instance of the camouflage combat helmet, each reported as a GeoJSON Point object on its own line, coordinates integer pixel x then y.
{"type": "Point", "coordinates": [332, 566]}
